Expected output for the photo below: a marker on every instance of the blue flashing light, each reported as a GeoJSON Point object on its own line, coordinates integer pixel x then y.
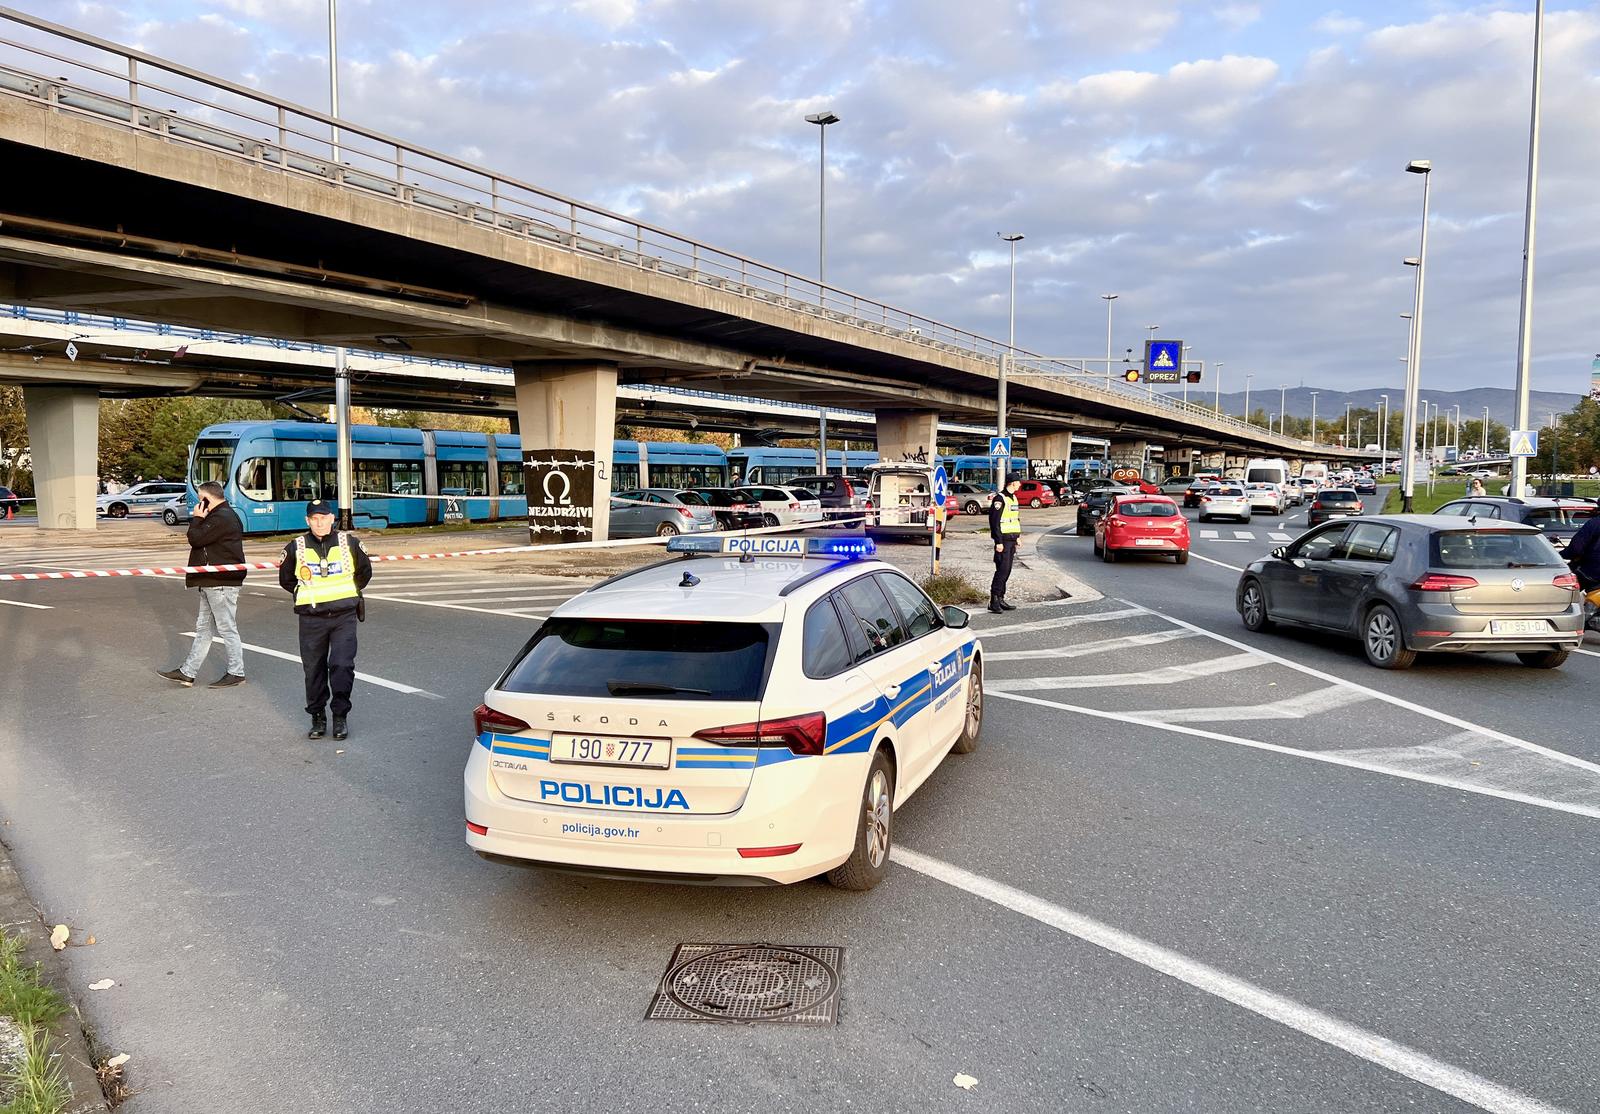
{"type": "Point", "coordinates": [776, 545]}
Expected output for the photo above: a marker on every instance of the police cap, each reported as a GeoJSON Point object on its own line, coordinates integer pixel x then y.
{"type": "Point", "coordinates": [318, 506]}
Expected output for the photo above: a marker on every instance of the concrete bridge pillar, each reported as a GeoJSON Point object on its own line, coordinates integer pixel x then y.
{"type": "Point", "coordinates": [905, 433]}
{"type": "Point", "coordinates": [64, 442]}
{"type": "Point", "coordinates": [1178, 460]}
{"type": "Point", "coordinates": [1213, 460]}
{"type": "Point", "coordinates": [1052, 446]}
{"type": "Point", "coordinates": [1234, 463]}
{"type": "Point", "coordinates": [1128, 454]}
{"type": "Point", "coordinates": [567, 416]}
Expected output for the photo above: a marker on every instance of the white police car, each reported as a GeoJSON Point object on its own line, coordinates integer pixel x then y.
{"type": "Point", "coordinates": [749, 713]}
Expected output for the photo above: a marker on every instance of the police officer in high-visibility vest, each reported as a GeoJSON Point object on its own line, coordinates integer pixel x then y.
{"type": "Point", "coordinates": [326, 570]}
{"type": "Point", "coordinates": [1005, 528]}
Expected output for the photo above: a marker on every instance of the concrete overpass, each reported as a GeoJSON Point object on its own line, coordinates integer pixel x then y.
{"type": "Point", "coordinates": [183, 197]}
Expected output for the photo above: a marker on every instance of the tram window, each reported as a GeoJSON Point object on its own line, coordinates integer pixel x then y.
{"type": "Point", "coordinates": [406, 478]}
{"type": "Point", "coordinates": [471, 477]}
{"type": "Point", "coordinates": [372, 476]}
{"type": "Point", "coordinates": [625, 476]}
{"type": "Point", "coordinates": [511, 480]}
{"type": "Point", "coordinates": [305, 480]}
{"type": "Point", "coordinates": [255, 479]}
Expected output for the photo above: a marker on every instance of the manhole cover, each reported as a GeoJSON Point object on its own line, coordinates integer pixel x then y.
{"type": "Point", "coordinates": [796, 984]}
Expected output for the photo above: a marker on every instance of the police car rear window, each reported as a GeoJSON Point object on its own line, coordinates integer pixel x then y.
{"type": "Point", "coordinates": [633, 659]}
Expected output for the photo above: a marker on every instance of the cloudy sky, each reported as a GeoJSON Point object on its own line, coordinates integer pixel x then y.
{"type": "Point", "coordinates": [1232, 170]}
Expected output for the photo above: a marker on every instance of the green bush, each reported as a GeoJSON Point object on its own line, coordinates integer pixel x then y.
{"type": "Point", "coordinates": [952, 587]}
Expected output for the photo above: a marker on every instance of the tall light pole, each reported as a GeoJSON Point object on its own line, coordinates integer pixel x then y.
{"type": "Point", "coordinates": [1485, 431]}
{"type": "Point", "coordinates": [1283, 411]}
{"type": "Point", "coordinates": [1109, 298]}
{"type": "Point", "coordinates": [1408, 477]}
{"type": "Point", "coordinates": [1003, 464]}
{"type": "Point", "coordinates": [1347, 424]}
{"type": "Point", "coordinates": [1519, 464]}
{"type": "Point", "coordinates": [1314, 395]}
{"type": "Point", "coordinates": [344, 464]}
{"type": "Point", "coordinates": [822, 120]}
{"type": "Point", "coordinates": [1383, 435]}
{"type": "Point", "coordinates": [1248, 376]}
{"type": "Point", "coordinates": [1217, 405]}
{"type": "Point", "coordinates": [1150, 334]}
{"type": "Point", "coordinates": [1359, 423]}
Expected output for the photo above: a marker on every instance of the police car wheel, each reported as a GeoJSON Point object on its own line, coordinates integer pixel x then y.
{"type": "Point", "coordinates": [769, 520]}
{"type": "Point", "coordinates": [118, 510]}
{"type": "Point", "coordinates": [869, 856]}
{"type": "Point", "coordinates": [666, 530]}
{"type": "Point", "coordinates": [972, 726]}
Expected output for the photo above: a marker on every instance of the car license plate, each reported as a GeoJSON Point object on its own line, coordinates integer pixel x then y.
{"type": "Point", "coordinates": [1518, 626]}
{"type": "Point", "coordinates": [611, 750]}
{"type": "Point", "coordinates": [1148, 541]}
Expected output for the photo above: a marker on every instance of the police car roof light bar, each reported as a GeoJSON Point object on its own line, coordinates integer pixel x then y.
{"type": "Point", "coordinates": [772, 545]}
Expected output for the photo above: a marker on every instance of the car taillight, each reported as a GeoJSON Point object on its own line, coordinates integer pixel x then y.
{"type": "Point", "coordinates": [794, 506]}
{"type": "Point", "coordinates": [1316, 504]}
{"type": "Point", "coordinates": [1115, 521]}
{"type": "Point", "coordinates": [1566, 580]}
{"type": "Point", "coordinates": [1442, 582]}
{"type": "Point", "coordinates": [686, 512]}
{"type": "Point", "coordinates": [1205, 498]}
{"type": "Point", "coordinates": [802, 734]}
{"type": "Point", "coordinates": [485, 718]}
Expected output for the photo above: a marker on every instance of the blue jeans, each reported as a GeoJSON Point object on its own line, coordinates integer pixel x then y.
{"type": "Point", "coordinates": [219, 608]}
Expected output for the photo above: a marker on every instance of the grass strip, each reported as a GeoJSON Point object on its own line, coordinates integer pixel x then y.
{"type": "Point", "coordinates": [33, 1082]}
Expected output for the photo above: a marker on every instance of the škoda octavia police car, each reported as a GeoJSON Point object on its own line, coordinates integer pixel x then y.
{"type": "Point", "coordinates": [751, 712]}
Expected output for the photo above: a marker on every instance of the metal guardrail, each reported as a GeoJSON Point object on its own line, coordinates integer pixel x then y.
{"type": "Point", "coordinates": [122, 86]}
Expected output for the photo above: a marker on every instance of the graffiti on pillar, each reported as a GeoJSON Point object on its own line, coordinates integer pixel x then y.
{"type": "Point", "coordinates": [918, 457]}
{"type": "Point", "coordinates": [1125, 475]}
{"type": "Point", "coordinates": [560, 484]}
{"type": "Point", "coordinates": [1048, 469]}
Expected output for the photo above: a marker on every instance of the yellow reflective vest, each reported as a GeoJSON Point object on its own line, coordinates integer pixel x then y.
{"type": "Point", "coordinates": [328, 581]}
{"type": "Point", "coordinates": [1010, 518]}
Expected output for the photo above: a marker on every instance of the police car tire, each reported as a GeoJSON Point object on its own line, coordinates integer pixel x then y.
{"type": "Point", "coordinates": [769, 520]}
{"type": "Point", "coordinates": [972, 718]}
{"type": "Point", "coordinates": [118, 510]}
{"type": "Point", "coordinates": [858, 871]}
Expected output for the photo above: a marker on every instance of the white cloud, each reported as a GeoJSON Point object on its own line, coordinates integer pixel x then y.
{"type": "Point", "coordinates": [1236, 17]}
{"type": "Point", "coordinates": [1337, 23]}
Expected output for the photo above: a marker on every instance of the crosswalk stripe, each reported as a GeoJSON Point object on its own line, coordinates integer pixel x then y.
{"type": "Point", "coordinates": [1245, 535]}
{"type": "Point", "coordinates": [1210, 534]}
{"type": "Point", "coordinates": [1165, 675]}
{"type": "Point", "coordinates": [1279, 536]}
{"type": "Point", "coordinates": [1082, 649]}
{"type": "Point", "coordinates": [1066, 621]}
{"type": "Point", "coordinates": [1290, 707]}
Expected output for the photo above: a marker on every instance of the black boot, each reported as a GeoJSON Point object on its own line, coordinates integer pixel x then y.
{"type": "Point", "coordinates": [319, 726]}
{"type": "Point", "coordinates": [1004, 606]}
{"type": "Point", "coordinates": [994, 605]}
{"type": "Point", "coordinates": [340, 731]}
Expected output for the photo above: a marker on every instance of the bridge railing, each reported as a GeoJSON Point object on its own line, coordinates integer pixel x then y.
{"type": "Point", "coordinates": [81, 74]}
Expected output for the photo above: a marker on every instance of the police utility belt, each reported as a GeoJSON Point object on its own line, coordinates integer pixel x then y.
{"type": "Point", "coordinates": [330, 579]}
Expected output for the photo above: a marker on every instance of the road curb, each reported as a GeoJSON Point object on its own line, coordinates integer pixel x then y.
{"type": "Point", "coordinates": [1068, 585]}
{"type": "Point", "coordinates": [18, 914]}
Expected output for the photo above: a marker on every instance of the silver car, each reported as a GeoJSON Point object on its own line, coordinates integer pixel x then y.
{"type": "Point", "coordinates": [1265, 497]}
{"type": "Point", "coordinates": [150, 497]}
{"type": "Point", "coordinates": [661, 512]}
{"type": "Point", "coordinates": [1404, 584]}
{"type": "Point", "coordinates": [1224, 500]}
{"type": "Point", "coordinates": [176, 510]}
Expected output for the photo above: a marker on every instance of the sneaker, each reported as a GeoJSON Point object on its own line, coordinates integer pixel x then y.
{"type": "Point", "coordinates": [176, 675]}
{"type": "Point", "coordinates": [319, 726]}
{"type": "Point", "coordinates": [340, 731]}
{"type": "Point", "coordinates": [226, 681]}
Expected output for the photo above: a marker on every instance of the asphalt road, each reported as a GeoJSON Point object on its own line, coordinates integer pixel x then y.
{"type": "Point", "coordinates": [1180, 874]}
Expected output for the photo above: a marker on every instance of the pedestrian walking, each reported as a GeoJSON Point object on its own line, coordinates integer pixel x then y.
{"type": "Point", "coordinates": [216, 537]}
{"type": "Point", "coordinates": [1476, 487]}
{"type": "Point", "coordinates": [326, 570]}
{"type": "Point", "coordinates": [1005, 529]}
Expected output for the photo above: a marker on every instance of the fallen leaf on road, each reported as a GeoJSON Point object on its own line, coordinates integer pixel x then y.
{"type": "Point", "coordinates": [118, 1060]}
{"type": "Point", "coordinates": [103, 984]}
{"type": "Point", "coordinates": [58, 936]}
{"type": "Point", "coordinates": [964, 1081]}
{"type": "Point", "coordinates": [90, 940]}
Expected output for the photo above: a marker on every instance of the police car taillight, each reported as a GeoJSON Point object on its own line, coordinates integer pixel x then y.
{"type": "Point", "coordinates": [802, 734]}
{"type": "Point", "coordinates": [485, 718]}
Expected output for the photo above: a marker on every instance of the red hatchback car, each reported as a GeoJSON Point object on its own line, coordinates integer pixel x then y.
{"type": "Point", "coordinates": [1036, 493]}
{"type": "Point", "coordinates": [1142, 523]}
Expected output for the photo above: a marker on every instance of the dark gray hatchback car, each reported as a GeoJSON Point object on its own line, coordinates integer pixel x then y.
{"type": "Point", "coordinates": [1403, 584]}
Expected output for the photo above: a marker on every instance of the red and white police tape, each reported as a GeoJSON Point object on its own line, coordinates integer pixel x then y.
{"type": "Point", "coordinates": [178, 570]}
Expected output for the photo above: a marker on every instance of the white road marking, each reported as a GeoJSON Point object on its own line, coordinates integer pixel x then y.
{"type": "Point", "coordinates": [1210, 534]}
{"type": "Point", "coordinates": [1080, 649]}
{"type": "Point", "coordinates": [368, 677]}
{"type": "Point", "coordinates": [1166, 675]}
{"type": "Point", "coordinates": [1398, 702]}
{"type": "Point", "coordinates": [1290, 707]}
{"type": "Point", "coordinates": [1051, 624]}
{"type": "Point", "coordinates": [548, 599]}
{"type": "Point", "coordinates": [432, 603]}
{"type": "Point", "coordinates": [1589, 653]}
{"type": "Point", "coordinates": [1245, 535]}
{"type": "Point", "coordinates": [1209, 561]}
{"type": "Point", "coordinates": [1332, 758]}
{"type": "Point", "coordinates": [1485, 761]}
{"type": "Point", "coordinates": [1400, 1059]}
{"type": "Point", "coordinates": [466, 594]}
{"type": "Point", "coordinates": [35, 606]}
{"type": "Point", "coordinates": [1279, 536]}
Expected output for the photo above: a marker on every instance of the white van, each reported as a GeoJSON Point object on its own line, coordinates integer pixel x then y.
{"type": "Point", "coordinates": [902, 492]}
{"type": "Point", "coordinates": [1273, 470]}
{"type": "Point", "coordinates": [1315, 470]}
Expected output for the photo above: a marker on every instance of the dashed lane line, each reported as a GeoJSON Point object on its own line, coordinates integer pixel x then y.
{"type": "Point", "coordinates": [1165, 675]}
{"type": "Point", "coordinates": [34, 606]}
{"type": "Point", "coordinates": [368, 677]}
{"type": "Point", "coordinates": [1364, 1044]}
{"type": "Point", "coordinates": [1332, 758]}
{"type": "Point", "coordinates": [1081, 649]}
{"type": "Point", "coordinates": [1388, 698]}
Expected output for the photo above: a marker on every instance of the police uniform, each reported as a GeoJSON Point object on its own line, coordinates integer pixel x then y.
{"type": "Point", "coordinates": [1005, 529]}
{"type": "Point", "coordinates": [326, 576]}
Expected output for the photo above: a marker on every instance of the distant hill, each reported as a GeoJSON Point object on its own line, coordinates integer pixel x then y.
{"type": "Point", "coordinates": [1501, 401]}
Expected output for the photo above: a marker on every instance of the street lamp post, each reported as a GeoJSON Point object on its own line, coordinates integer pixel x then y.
{"type": "Point", "coordinates": [1414, 363]}
{"type": "Point", "coordinates": [1109, 298]}
{"type": "Point", "coordinates": [1248, 376]}
{"type": "Point", "coordinates": [1383, 435]}
{"type": "Point", "coordinates": [1002, 463]}
{"type": "Point", "coordinates": [1347, 425]}
{"type": "Point", "coordinates": [1217, 405]}
{"type": "Point", "coordinates": [822, 120]}
{"type": "Point", "coordinates": [1150, 333]}
{"type": "Point", "coordinates": [1283, 411]}
{"type": "Point", "coordinates": [1485, 431]}
{"type": "Point", "coordinates": [344, 463]}
{"type": "Point", "coordinates": [1519, 464]}
{"type": "Point", "coordinates": [1314, 395]}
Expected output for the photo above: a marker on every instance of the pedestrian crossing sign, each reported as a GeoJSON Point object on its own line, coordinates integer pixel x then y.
{"type": "Point", "coordinates": [1524, 442]}
{"type": "Point", "coordinates": [1163, 355]}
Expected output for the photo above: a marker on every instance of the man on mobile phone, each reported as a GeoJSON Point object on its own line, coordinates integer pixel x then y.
{"type": "Point", "coordinates": [216, 537]}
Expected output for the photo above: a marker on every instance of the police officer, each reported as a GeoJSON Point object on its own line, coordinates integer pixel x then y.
{"type": "Point", "coordinates": [1005, 528]}
{"type": "Point", "coordinates": [326, 571]}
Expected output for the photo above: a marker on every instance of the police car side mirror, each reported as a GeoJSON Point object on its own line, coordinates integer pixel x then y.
{"type": "Point", "coordinates": [955, 618]}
